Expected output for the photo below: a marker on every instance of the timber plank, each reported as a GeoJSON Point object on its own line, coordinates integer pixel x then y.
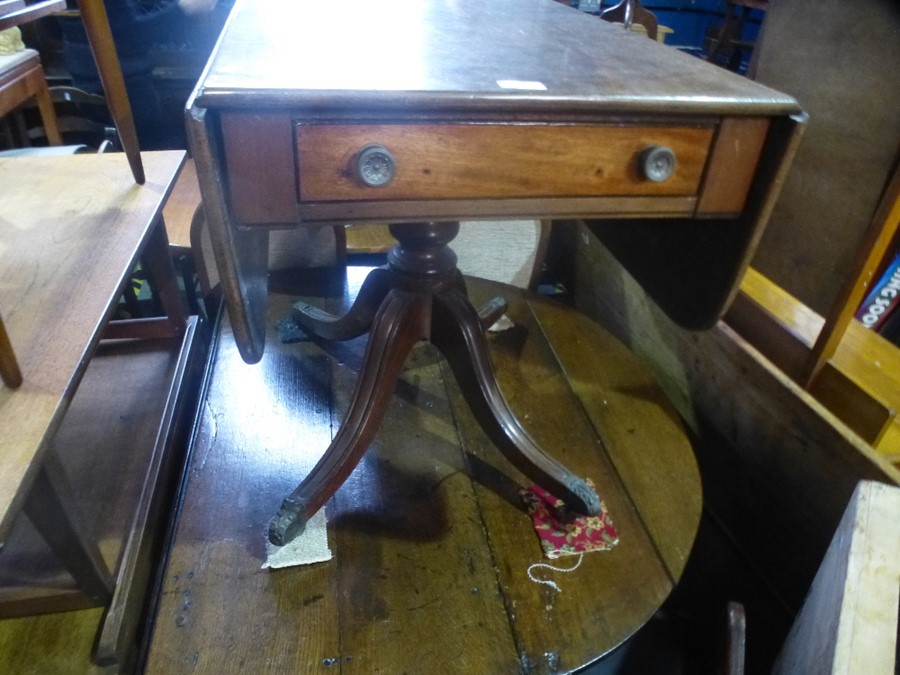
{"type": "Point", "coordinates": [782, 486]}
{"type": "Point", "coordinates": [643, 435]}
{"type": "Point", "coordinates": [413, 564]}
{"type": "Point", "coordinates": [849, 619]}
{"type": "Point", "coordinates": [260, 426]}
{"type": "Point", "coordinates": [530, 378]}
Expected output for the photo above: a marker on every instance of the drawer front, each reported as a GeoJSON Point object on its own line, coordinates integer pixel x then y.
{"type": "Point", "coordinates": [496, 161]}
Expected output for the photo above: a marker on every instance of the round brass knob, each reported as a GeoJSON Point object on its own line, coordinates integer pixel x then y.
{"type": "Point", "coordinates": [657, 163]}
{"type": "Point", "coordinates": [375, 166]}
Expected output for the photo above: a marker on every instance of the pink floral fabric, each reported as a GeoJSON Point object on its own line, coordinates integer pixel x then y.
{"type": "Point", "coordinates": [561, 535]}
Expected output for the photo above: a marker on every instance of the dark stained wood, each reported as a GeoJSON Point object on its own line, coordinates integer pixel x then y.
{"type": "Point", "coordinates": [260, 144]}
{"type": "Point", "coordinates": [9, 366]}
{"type": "Point", "coordinates": [618, 399]}
{"type": "Point", "coordinates": [103, 47]}
{"type": "Point", "coordinates": [487, 209]}
{"type": "Point", "coordinates": [491, 69]}
{"type": "Point", "coordinates": [48, 507]}
{"type": "Point", "coordinates": [448, 60]}
{"type": "Point", "coordinates": [418, 296]}
{"type": "Point", "coordinates": [122, 626]}
{"type": "Point", "coordinates": [431, 541]}
{"type": "Point", "coordinates": [78, 226]}
{"type": "Point", "coordinates": [241, 255]}
{"type": "Point", "coordinates": [692, 268]}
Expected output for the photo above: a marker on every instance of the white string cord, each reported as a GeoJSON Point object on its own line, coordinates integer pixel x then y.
{"type": "Point", "coordinates": [549, 582]}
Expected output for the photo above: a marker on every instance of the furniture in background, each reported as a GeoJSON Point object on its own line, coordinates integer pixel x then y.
{"type": "Point", "coordinates": [833, 227]}
{"type": "Point", "coordinates": [22, 78]}
{"type": "Point", "coordinates": [729, 42]}
{"type": "Point", "coordinates": [75, 227]}
{"type": "Point", "coordinates": [431, 541]}
{"type": "Point", "coordinates": [21, 75]}
{"type": "Point", "coordinates": [96, 25]}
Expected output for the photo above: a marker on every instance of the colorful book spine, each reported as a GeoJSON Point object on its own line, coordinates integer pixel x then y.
{"type": "Point", "coordinates": [883, 299]}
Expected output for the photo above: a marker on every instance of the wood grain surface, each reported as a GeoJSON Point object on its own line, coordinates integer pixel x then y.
{"type": "Point", "coordinates": [70, 232]}
{"type": "Point", "coordinates": [431, 542]}
{"type": "Point", "coordinates": [472, 161]}
{"type": "Point", "coordinates": [404, 57]}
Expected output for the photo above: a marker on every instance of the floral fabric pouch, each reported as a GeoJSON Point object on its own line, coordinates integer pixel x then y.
{"type": "Point", "coordinates": [562, 534]}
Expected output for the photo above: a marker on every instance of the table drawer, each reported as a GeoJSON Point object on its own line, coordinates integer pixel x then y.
{"type": "Point", "coordinates": [492, 161]}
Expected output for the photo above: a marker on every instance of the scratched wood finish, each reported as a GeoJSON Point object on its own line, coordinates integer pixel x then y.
{"type": "Point", "coordinates": [472, 161]}
{"type": "Point", "coordinates": [508, 56]}
{"type": "Point", "coordinates": [430, 539]}
{"type": "Point", "coordinates": [71, 232]}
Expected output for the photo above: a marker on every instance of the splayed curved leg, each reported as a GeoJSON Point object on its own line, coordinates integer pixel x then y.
{"type": "Point", "coordinates": [457, 332]}
{"type": "Point", "coordinates": [358, 318]}
{"type": "Point", "coordinates": [399, 324]}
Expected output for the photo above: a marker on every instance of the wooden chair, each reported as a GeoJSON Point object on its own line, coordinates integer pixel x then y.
{"type": "Point", "coordinates": [21, 75]}
{"type": "Point", "coordinates": [83, 119]}
{"type": "Point", "coordinates": [28, 76]}
{"type": "Point", "coordinates": [96, 25]}
{"type": "Point", "coordinates": [22, 78]}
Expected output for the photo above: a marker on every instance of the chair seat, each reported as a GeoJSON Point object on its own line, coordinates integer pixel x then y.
{"type": "Point", "coordinates": [10, 61]}
{"type": "Point", "coordinates": [21, 78]}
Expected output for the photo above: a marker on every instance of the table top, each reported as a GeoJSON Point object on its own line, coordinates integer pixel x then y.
{"type": "Point", "coordinates": [71, 230]}
{"type": "Point", "coordinates": [482, 110]}
{"type": "Point", "coordinates": [431, 541]}
{"type": "Point", "coordinates": [461, 55]}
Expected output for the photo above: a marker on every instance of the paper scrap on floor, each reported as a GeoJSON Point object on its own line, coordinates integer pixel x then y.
{"type": "Point", "coordinates": [310, 546]}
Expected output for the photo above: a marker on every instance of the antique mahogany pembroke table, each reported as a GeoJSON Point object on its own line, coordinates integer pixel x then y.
{"type": "Point", "coordinates": [419, 113]}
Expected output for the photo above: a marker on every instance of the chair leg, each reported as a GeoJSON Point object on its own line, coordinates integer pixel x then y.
{"type": "Point", "coordinates": [47, 111]}
{"type": "Point", "coordinates": [9, 367]}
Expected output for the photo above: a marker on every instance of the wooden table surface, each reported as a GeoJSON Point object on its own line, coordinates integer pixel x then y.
{"type": "Point", "coordinates": [431, 542]}
{"type": "Point", "coordinates": [71, 229]}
